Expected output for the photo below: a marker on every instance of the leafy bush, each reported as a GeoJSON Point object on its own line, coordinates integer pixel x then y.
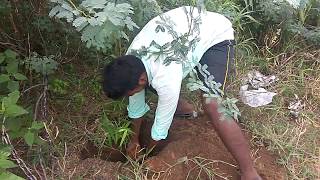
{"type": "Point", "coordinates": [59, 86]}
{"type": "Point", "coordinates": [6, 163]}
{"type": "Point", "coordinates": [144, 10]}
{"type": "Point", "coordinates": [100, 22]}
{"type": "Point", "coordinates": [10, 75]}
{"type": "Point", "coordinates": [9, 108]}
{"type": "Point", "coordinates": [284, 20]}
{"type": "Point", "coordinates": [10, 111]}
{"type": "Point", "coordinates": [43, 65]}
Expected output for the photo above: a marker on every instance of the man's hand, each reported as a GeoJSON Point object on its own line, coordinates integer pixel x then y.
{"type": "Point", "coordinates": [133, 149]}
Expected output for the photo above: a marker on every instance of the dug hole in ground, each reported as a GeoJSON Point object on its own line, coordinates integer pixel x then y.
{"type": "Point", "coordinates": [193, 150]}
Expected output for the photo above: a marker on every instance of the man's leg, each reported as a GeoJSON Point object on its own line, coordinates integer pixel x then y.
{"type": "Point", "coordinates": [231, 135]}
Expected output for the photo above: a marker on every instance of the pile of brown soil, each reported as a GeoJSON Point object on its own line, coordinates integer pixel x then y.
{"type": "Point", "coordinates": [190, 142]}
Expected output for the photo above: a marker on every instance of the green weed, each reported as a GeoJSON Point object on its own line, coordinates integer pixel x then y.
{"type": "Point", "coordinates": [272, 37]}
{"type": "Point", "coordinates": [201, 168]}
{"type": "Point", "coordinates": [295, 140]}
{"type": "Point", "coordinates": [6, 163]}
{"type": "Point", "coordinates": [116, 133]}
{"type": "Point", "coordinates": [59, 87]}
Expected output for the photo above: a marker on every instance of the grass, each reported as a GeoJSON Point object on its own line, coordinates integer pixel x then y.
{"type": "Point", "coordinates": [295, 140]}
{"type": "Point", "coordinates": [74, 113]}
{"type": "Point", "coordinates": [75, 117]}
{"type": "Point", "coordinates": [204, 167]}
{"type": "Point", "coordinates": [201, 167]}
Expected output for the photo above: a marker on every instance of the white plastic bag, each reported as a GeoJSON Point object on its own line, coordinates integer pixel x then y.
{"type": "Point", "coordinates": [253, 92]}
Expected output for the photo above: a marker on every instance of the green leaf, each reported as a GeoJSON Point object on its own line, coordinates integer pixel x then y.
{"type": "Point", "coordinates": [14, 110]}
{"type": "Point", "coordinates": [9, 176]}
{"type": "Point", "coordinates": [160, 28]}
{"type": "Point", "coordinates": [13, 86]}
{"type": "Point", "coordinates": [94, 4]}
{"type": "Point", "coordinates": [14, 124]}
{"type": "Point", "coordinates": [79, 21]}
{"type": "Point", "coordinates": [17, 134]}
{"type": "Point", "coordinates": [4, 78]}
{"type": "Point", "coordinates": [124, 137]}
{"type": "Point", "coordinates": [44, 65]}
{"type": "Point", "coordinates": [54, 11]}
{"type": "Point", "coordinates": [20, 77]}
{"type": "Point", "coordinates": [37, 125]}
{"type": "Point", "coordinates": [11, 109]}
{"type": "Point", "coordinates": [94, 22]}
{"type": "Point", "coordinates": [5, 151]}
{"type": "Point", "coordinates": [39, 141]}
{"type": "Point", "coordinates": [4, 164]}
{"type": "Point", "coordinates": [12, 67]}
{"type": "Point", "coordinates": [29, 138]}
{"type": "Point", "coordinates": [62, 12]}
{"type": "Point", "coordinates": [155, 44]}
{"type": "Point", "coordinates": [2, 58]}
{"type": "Point", "coordinates": [10, 54]}
{"type": "Point", "coordinates": [12, 98]}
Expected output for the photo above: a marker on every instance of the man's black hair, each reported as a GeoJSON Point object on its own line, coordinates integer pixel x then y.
{"type": "Point", "coordinates": [122, 75]}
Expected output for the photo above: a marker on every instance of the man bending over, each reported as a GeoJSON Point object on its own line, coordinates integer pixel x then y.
{"type": "Point", "coordinates": [165, 51]}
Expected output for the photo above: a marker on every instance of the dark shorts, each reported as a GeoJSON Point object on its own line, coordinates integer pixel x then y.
{"type": "Point", "coordinates": [220, 61]}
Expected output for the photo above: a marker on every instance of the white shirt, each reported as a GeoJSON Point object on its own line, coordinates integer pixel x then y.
{"type": "Point", "coordinates": [166, 79]}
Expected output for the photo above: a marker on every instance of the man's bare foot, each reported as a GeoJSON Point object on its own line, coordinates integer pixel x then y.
{"type": "Point", "coordinates": [252, 175]}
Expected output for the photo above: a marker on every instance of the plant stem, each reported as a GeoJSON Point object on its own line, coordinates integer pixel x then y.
{"type": "Point", "coordinates": [75, 7]}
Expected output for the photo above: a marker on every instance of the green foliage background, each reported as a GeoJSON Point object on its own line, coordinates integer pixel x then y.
{"type": "Point", "coordinates": [40, 39]}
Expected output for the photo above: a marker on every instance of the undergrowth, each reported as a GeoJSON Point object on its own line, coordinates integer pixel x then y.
{"type": "Point", "coordinates": [53, 68]}
{"type": "Point", "coordinates": [296, 141]}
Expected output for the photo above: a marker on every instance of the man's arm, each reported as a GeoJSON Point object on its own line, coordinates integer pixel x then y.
{"type": "Point", "coordinates": [167, 105]}
{"type": "Point", "coordinates": [167, 83]}
{"type": "Point", "coordinates": [136, 109]}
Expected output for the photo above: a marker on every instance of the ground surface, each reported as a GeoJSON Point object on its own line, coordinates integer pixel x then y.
{"type": "Point", "coordinates": [191, 142]}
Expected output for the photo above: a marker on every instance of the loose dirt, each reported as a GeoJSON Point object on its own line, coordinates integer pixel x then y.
{"type": "Point", "coordinates": [190, 142]}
